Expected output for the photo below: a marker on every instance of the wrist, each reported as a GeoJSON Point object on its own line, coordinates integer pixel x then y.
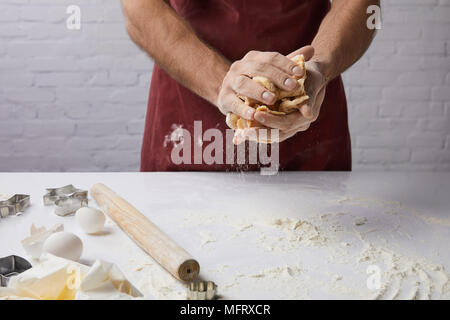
{"type": "Point", "coordinates": [218, 79]}
{"type": "Point", "coordinates": [324, 66]}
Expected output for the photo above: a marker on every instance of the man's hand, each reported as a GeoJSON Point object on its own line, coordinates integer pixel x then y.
{"type": "Point", "coordinates": [289, 125]}
{"type": "Point", "coordinates": [274, 66]}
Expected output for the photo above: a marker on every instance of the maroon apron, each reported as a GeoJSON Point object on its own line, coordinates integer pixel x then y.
{"type": "Point", "coordinates": [234, 27]}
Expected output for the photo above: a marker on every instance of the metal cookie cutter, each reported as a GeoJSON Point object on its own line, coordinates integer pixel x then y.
{"type": "Point", "coordinates": [68, 191]}
{"type": "Point", "coordinates": [66, 206]}
{"type": "Point", "coordinates": [67, 199]}
{"type": "Point", "coordinates": [11, 266]}
{"type": "Point", "coordinates": [14, 205]}
{"type": "Point", "coordinates": [203, 290]}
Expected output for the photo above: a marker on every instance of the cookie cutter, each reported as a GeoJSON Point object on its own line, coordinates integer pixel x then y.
{"type": "Point", "coordinates": [202, 290]}
{"type": "Point", "coordinates": [68, 191]}
{"type": "Point", "coordinates": [14, 205]}
{"type": "Point", "coordinates": [66, 206]}
{"type": "Point", "coordinates": [67, 199]}
{"type": "Point", "coordinates": [11, 266]}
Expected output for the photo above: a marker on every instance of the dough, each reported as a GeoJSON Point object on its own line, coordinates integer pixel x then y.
{"type": "Point", "coordinates": [287, 101]}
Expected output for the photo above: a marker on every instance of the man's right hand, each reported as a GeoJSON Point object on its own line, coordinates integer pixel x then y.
{"type": "Point", "coordinates": [238, 81]}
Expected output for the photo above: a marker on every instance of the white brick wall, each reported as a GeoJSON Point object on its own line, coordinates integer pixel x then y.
{"type": "Point", "coordinates": [399, 93]}
{"type": "Point", "coordinates": [76, 100]}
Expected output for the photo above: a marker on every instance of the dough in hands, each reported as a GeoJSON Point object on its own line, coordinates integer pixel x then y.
{"type": "Point", "coordinates": [286, 102]}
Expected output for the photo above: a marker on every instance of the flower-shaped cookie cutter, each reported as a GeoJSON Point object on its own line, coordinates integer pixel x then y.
{"type": "Point", "coordinates": [202, 290]}
{"type": "Point", "coordinates": [14, 205]}
{"type": "Point", "coordinates": [67, 199]}
{"type": "Point", "coordinates": [11, 266]}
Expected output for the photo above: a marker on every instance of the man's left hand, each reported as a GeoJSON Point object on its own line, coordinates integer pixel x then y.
{"type": "Point", "coordinates": [289, 125]}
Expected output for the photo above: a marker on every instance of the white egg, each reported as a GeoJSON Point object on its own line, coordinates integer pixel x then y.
{"type": "Point", "coordinates": [90, 220]}
{"type": "Point", "coordinates": [65, 245]}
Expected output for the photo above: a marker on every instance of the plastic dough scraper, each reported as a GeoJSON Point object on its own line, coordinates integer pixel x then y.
{"type": "Point", "coordinates": [152, 240]}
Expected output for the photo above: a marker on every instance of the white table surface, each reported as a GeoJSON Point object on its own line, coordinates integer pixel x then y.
{"type": "Point", "coordinates": [398, 223]}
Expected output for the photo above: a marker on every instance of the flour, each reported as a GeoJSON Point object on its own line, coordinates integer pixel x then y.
{"type": "Point", "coordinates": [220, 269]}
{"type": "Point", "coordinates": [285, 280]}
{"type": "Point", "coordinates": [405, 277]}
{"type": "Point", "coordinates": [277, 272]}
{"type": "Point", "coordinates": [394, 208]}
{"type": "Point", "coordinates": [175, 136]}
{"type": "Point", "coordinates": [206, 237]}
{"type": "Point", "coordinates": [293, 233]}
{"type": "Point", "coordinates": [152, 279]}
{"type": "Point", "coordinates": [336, 278]}
{"type": "Point", "coordinates": [360, 221]}
{"type": "Point", "coordinates": [433, 220]}
{"type": "Point", "coordinates": [245, 227]}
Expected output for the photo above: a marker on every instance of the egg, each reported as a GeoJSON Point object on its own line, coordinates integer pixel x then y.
{"type": "Point", "coordinates": [90, 220]}
{"type": "Point", "coordinates": [65, 245]}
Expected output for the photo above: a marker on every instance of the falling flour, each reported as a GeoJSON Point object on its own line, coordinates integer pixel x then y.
{"type": "Point", "coordinates": [175, 136]}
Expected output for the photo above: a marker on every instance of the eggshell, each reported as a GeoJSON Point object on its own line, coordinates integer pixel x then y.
{"type": "Point", "coordinates": [90, 220]}
{"type": "Point", "coordinates": [65, 245]}
{"type": "Point", "coordinates": [34, 243]}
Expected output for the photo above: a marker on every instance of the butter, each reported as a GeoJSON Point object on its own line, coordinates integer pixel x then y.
{"type": "Point", "coordinates": [56, 278]}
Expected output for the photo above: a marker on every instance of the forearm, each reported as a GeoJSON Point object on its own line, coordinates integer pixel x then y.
{"type": "Point", "coordinates": [169, 40]}
{"type": "Point", "coordinates": [343, 36]}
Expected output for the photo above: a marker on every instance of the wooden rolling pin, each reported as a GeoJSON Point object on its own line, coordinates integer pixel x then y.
{"type": "Point", "coordinates": [147, 235]}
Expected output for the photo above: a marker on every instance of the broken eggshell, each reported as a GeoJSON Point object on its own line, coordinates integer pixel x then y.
{"type": "Point", "coordinates": [34, 243]}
